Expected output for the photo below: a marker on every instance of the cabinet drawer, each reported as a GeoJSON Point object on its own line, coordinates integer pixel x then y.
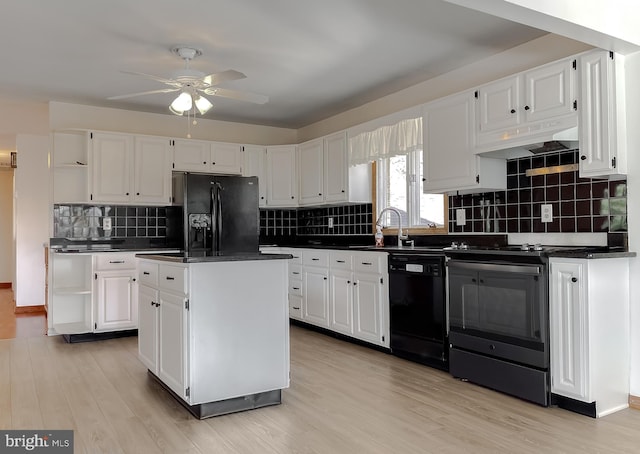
{"type": "Point", "coordinates": [315, 257]}
{"type": "Point", "coordinates": [295, 307]}
{"type": "Point", "coordinates": [148, 274]}
{"type": "Point", "coordinates": [339, 260]}
{"type": "Point", "coordinates": [373, 262]}
{"type": "Point", "coordinates": [295, 272]}
{"type": "Point", "coordinates": [296, 253]}
{"type": "Point", "coordinates": [295, 287]}
{"type": "Point", "coordinates": [115, 261]}
{"type": "Point", "coordinates": [173, 278]}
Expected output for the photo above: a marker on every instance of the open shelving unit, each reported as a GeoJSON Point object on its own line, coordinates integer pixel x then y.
{"type": "Point", "coordinates": [70, 167]}
{"type": "Point", "coordinates": [71, 294]}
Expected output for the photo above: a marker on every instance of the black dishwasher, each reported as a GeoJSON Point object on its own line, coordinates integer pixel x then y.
{"type": "Point", "coordinates": [417, 304]}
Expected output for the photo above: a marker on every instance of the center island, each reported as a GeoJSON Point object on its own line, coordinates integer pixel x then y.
{"type": "Point", "coordinates": [214, 331]}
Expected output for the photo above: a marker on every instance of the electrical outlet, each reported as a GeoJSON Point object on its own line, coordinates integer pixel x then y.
{"type": "Point", "coordinates": [330, 223]}
{"type": "Point", "coordinates": [461, 217]}
{"type": "Point", "coordinates": [546, 213]}
{"type": "Point", "coordinates": [106, 223]}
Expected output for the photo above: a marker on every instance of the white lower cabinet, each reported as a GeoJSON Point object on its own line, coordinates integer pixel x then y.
{"type": "Point", "coordinates": [344, 291]}
{"type": "Point", "coordinates": [589, 330]}
{"type": "Point", "coordinates": [215, 331]}
{"type": "Point", "coordinates": [117, 300]}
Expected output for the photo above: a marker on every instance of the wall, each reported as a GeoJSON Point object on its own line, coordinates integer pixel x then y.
{"type": "Point", "coordinates": [534, 53]}
{"type": "Point", "coordinates": [73, 116]}
{"type": "Point", "coordinates": [32, 218]}
{"type": "Point", "coordinates": [6, 226]}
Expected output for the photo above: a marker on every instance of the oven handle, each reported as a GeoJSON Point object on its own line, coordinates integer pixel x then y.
{"type": "Point", "coordinates": [516, 269]}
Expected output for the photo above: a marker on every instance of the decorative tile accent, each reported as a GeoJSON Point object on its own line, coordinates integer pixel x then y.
{"type": "Point", "coordinates": [579, 204]}
{"type": "Point", "coordinates": [85, 221]}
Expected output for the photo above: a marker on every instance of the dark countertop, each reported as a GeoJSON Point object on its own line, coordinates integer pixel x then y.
{"type": "Point", "coordinates": [179, 257]}
{"type": "Point", "coordinates": [594, 253]}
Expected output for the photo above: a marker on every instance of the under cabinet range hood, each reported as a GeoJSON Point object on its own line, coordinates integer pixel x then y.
{"type": "Point", "coordinates": [535, 144]}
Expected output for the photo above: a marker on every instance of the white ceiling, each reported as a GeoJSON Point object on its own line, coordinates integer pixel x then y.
{"type": "Point", "coordinates": [313, 59]}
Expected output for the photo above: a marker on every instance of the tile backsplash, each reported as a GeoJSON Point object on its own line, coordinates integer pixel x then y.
{"type": "Point", "coordinates": [346, 220]}
{"type": "Point", "coordinates": [578, 204]}
{"type": "Point", "coordinates": [85, 221]}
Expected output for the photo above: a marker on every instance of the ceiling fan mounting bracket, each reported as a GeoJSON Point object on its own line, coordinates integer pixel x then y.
{"type": "Point", "coordinates": [186, 52]}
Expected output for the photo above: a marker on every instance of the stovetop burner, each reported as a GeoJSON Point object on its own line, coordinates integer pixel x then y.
{"type": "Point", "coordinates": [536, 250]}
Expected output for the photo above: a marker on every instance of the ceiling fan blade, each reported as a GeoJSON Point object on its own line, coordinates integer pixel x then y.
{"type": "Point", "coordinates": [230, 74]}
{"type": "Point", "coordinates": [131, 95]}
{"type": "Point", "coordinates": [239, 95]}
{"type": "Point", "coordinates": [151, 76]}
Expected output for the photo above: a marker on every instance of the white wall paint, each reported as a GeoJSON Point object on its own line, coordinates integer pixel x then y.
{"type": "Point", "coordinates": [6, 226]}
{"type": "Point", "coordinates": [534, 53]}
{"type": "Point", "coordinates": [610, 25]}
{"type": "Point", "coordinates": [31, 218]}
{"type": "Point", "coordinates": [632, 66]}
{"type": "Point", "coordinates": [70, 116]}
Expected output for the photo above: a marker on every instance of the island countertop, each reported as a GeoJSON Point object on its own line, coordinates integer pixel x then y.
{"type": "Point", "coordinates": [179, 257]}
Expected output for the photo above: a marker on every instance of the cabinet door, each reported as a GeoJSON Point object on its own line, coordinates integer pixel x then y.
{"type": "Point", "coordinates": [598, 115]}
{"type": "Point", "coordinates": [550, 91]}
{"type": "Point", "coordinates": [449, 162]}
{"type": "Point", "coordinates": [569, 331]}
{"type": "Point", "coordinates": [282, 180]}
{"type": "Point", "coordinates": [148, 327]}
{"type": "Point", "coordinates": [152, 180]}
{"type": "Point", "coordinates": [316, 296]}
{"type": "Point", "coordinates": [341, 301]}
{"type": "Point", "coordinates": [336, 168]}
{"type": "Point", "coordinates": [311, 171]}
{"type": "Point", "coordinates": [111, 166]}
{"type": "Point", "coordinates": [191, 155]}
{"type": "Point", "coordinates": [367, 302]}
{"type": "Point", "coordinates": [255, 166]}
{"type": "Point", "coordinates": [499, 105]}
{"type": "Point", "coordinates": [172, 343]}
{"type": "Point", "coordinates": [117, 300]}
{"type": "Point", "coordinates": [226, 158]}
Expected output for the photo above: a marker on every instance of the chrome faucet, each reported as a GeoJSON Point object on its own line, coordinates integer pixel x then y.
{"type": "Point", "coordinates": [397, 212]}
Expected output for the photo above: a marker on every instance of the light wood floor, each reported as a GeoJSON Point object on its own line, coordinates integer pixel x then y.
{"type": "Point", "coordinates": [343, 399]}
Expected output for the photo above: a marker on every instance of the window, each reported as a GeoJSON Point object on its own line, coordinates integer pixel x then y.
{"type": "Point", "coordinates": [399, 185]}
{"type": "Point", "coordinates": [396, 148]}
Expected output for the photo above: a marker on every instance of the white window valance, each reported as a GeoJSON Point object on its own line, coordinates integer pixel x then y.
{"type": "Point", "coordinates": [386, 141]}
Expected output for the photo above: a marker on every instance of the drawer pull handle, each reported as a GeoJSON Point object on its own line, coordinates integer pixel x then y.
{"type": "Point", "coordinates": [315, 260]}
{"type": "Point", "coordinates": [169, 278]}
{"type": "Point", "coordinates": [296, 288]}
{"type": "Point", "coordinates": [295, 272]}
{"type": "Point", "coordinates": [116, 261]}
{"type": "Point", "coordinates": [146, 273]}
{"type": "Point", "coordinates": [367, 263]}
{"type": "Point", "coordinates": [296, 308]}
{"type": "Point", "coordinates": [340, 261]}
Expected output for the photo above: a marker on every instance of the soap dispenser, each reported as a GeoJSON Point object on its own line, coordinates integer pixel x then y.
{"type": "Point", "coordinates": [379, 237]}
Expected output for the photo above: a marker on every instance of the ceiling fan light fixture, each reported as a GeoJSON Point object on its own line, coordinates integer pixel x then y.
{"type": "Point", "coordinates": [203, 105]}
{"type": "Point", "coordinates": [181, 104]}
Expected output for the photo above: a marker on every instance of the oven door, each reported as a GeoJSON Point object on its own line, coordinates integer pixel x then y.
{"type": "Point", "coordinates": [499, 309]}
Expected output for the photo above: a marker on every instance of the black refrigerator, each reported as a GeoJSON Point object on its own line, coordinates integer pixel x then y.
{"type": "Point", "coordinates": [214, 215]}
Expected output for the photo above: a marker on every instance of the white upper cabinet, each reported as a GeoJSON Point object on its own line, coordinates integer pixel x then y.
{"type": "Point", "coordinates": [603, 147]}
{"type": "Point", "coordinates": [325, 175]}
{"type": "Point", "coordinates": [111, 167]}
{"type": "Point", "coordinates": [152, 170]}
{"type": "Point", "coordinates": [255, 165]}
{"type": "Point", "coordinates": [69, 167]}
{"type": "Point", "coordinates": [207, 157]}
{"type": "Point", "coordinates": [449, 160]}
{"type": "Point", "coordinates": [282, 186]}
{"type": "Point", "coordinates": [311, 172]}
{"type": "Point", "coordinates": [130, 169]}
{"type": "Point", "coordinates": [515, 110]}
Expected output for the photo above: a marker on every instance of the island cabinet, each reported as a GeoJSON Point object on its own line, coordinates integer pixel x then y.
{"type": "Point", "coordinates": [589, 330]}
{"type": "Point", "coordinates": [215, 333]}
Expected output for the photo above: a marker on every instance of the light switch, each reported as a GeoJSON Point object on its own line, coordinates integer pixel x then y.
{"type": "Point", "coordinates": [461, 217]}
{"type": "Point", "coordinates": [106, 223]}
{"type": "Point", "coordinates": [330, 223]}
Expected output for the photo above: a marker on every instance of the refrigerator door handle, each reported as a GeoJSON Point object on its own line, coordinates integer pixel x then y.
{"type": "Point", "coordinates": [216, 216]}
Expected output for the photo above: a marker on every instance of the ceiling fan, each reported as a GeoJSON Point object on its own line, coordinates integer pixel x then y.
{"type": "Point", "coordinates": [193, 84]}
